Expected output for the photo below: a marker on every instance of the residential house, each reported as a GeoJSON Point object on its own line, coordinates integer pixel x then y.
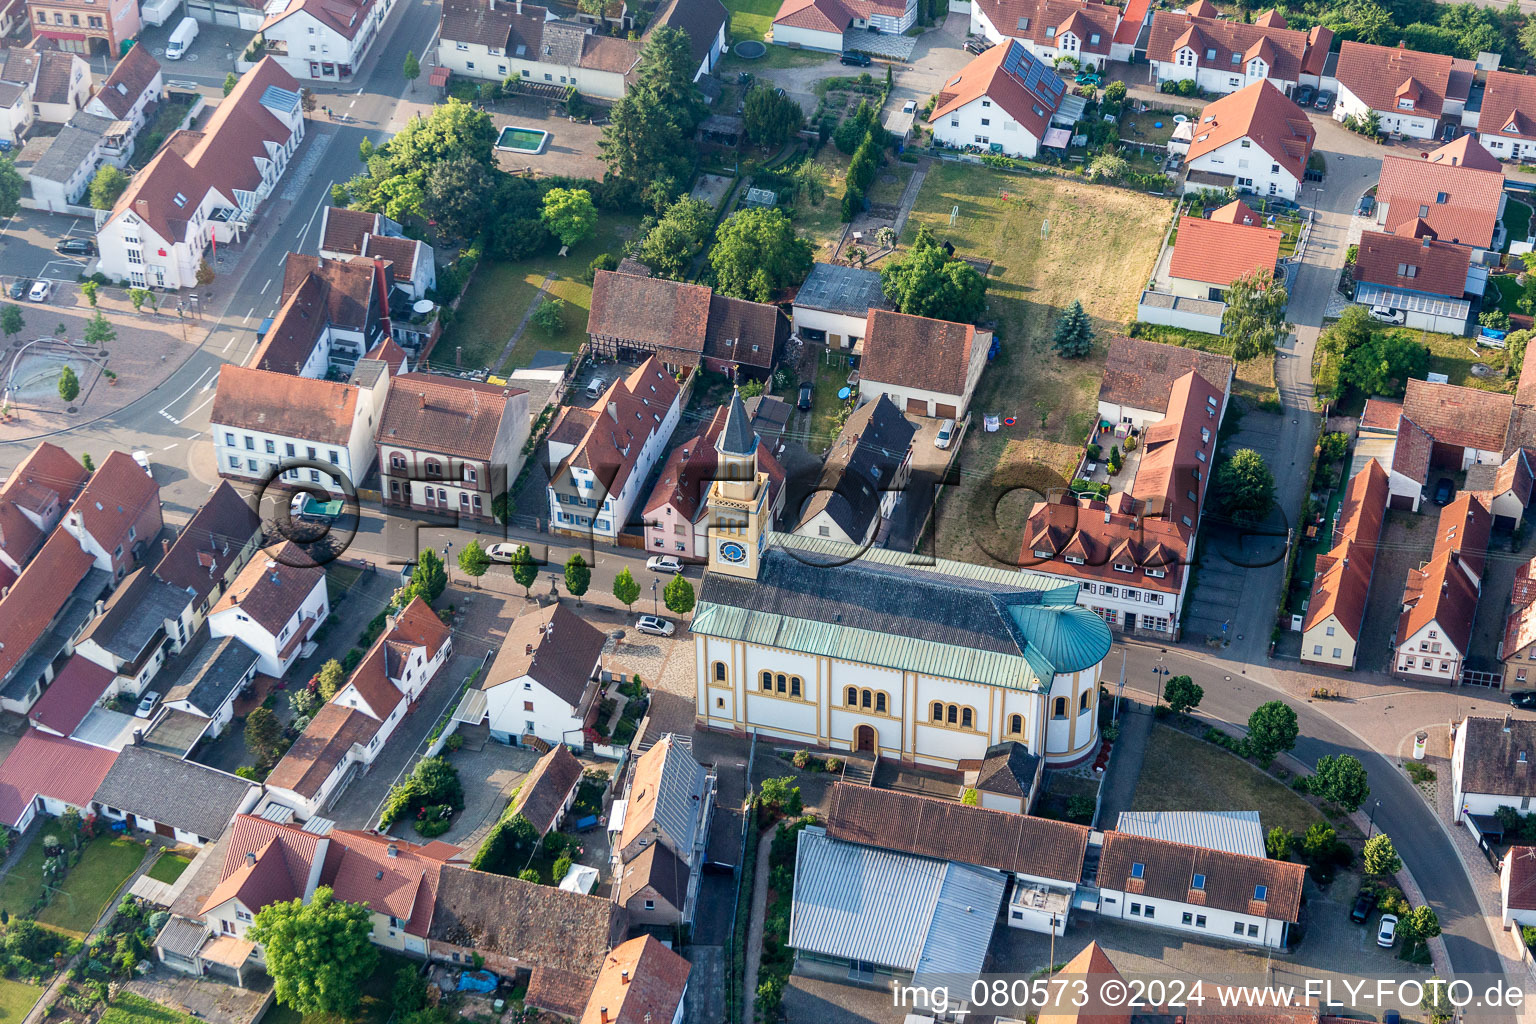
{"type": "Point", "coordinates": [58, 82]}
{"type": "Point", "coordinates": [1199, 890]}
{"type": "Point", "coordinates": [1006, 779]}
{"type": "Point", "coordinates": [1138, 380]}
{"type": "Point", "coordinates": [1004, 100]}
{"type": "Point", "coordinates": [346, 233]}
{"type": "Point", "coordinates": [1408, 90]}
{"type": "Point", "coordinates": [42, 615]}
{"type": "Point", "coordinates": [820, 24]}
{"type": "Point", "coordinates": [1440, 598]}
{"type": "Point", "coordinates": [834, 302]}
{"type": "Point", "coordinates": [331, 313]}
{"type": "Point", "coordinates": [491, 40]}
{"type": "Point", "coordinates": [220, 671]}
{"type": "Point", "coordinates": [1517, 887]}
{"type": "Point", "coordinates": [131, 92]}
{"type": "Point", "coordinates": [61, 176]}
{"type": "Point", "coordinates": [925, 367]}
{"type": "Point", "coordinates": [273, 606]}
{"type": "Point", "coordinates": [863, 476]}
{"type": "Point", "coordinates": [1093, 970]}
{"type": "Point", "coordinates": [1043, 858]}
{"type": "Point", "coordinates": [1460, 195]}
{"type": "Point", "coordinates": [1505, 125]}
{"type": "Point", "coordinates": [1400, 445]}
{"type": "Point", "coordinates": [683, 325]}
{"type": "Point", "coordinates": [349, 731]}
{"type": "Point", "coordinates": [85, 27]}
{"type": "Point", "coordinates": [1210, 255]}
{"type": "Point", "coordinates": [669, 804]}
{"type": "Point", "coordinates": [599, 458]}
{"type": "Point", "coordinates": [47, 774]}
{"type": "Point", "coordinates": [32, 501]}
{"type": "Point", "coordinates": [450, 446]}
{"type": "Point", "coordinates": [181, 800]}
{"type": "Point", "coordinates": [1238, 832]}
{"type": "Point", "coordinates": [1223, 55]}
{"type": "Point", "coordinates": [215, 544]}
{"type": "Point", "coordinates": [676, 514]}
{"type": "Point", "coordinates": [293, 431]}
{"type": "Point", "coordinates": [1467, 426]}
{"type": "Point", "coordinates": [1490, 769]}
{"type": "Point", "coordinates": [543, 682]}
{"type": "Point", "coordinates": [117, 515]}
{"type": "Point", "coordinates": [1081, 29]}
{"type": "Point", "coordinates": [78, 687]}
{"type": "Point", "coordinates": [642, 981]}
{"type": "Point", "coordinates": [12, 13]}
{"type": "Point", "coordinates": [142, 625]}
{"type": "Point", "coordinates": [555, 938]}
{"type": "Point", "coordinates": [1130, 554]}
{"type": "Point", "coordinates": [324, 40]}
{"type": "Point", "coordinates": [549, 790]}
{"type": "Point", "coordinates": [204, 187]}
{"type": "Point", "coordinates": [1255, 140]}
{"type": "Point", "coordinates": [1335, 617]}
{"type": "Point", "coordinates": [1427, 279]}
{"type": "Point", "coordinates": [1505, 490]}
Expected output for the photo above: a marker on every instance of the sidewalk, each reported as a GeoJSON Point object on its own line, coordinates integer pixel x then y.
{"type": "Point", "coordinates": [755, 928]}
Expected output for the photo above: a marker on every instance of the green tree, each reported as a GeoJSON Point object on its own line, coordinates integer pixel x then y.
{"type": "Point", "coordinates": [771, 118]}
{"type": "Point", "coordinates": [230, 81]}
{"type": "Point", "coordinates": [262, 733]}
{"type": "Point", "coordinates": [1255, 314]}
{"type": "Point", "coordinates": [757, 252]}
{"type": "Point", "coordinates": [780, 797]}
{"type": "Point", "coordinates": [400, 172]}
{"type": "Point", "coordinates": [927, 282]}
{"type": "Point", "coordinates": [318, 953]}
{"type": "Point", "coordinates": [1272, 729]}
{"type": "Point", "coordinates": [1515, 344]}
{"type": "Point", "coordinates": [525, 571]}
{"type": "Point", "coordinates": [1110, 167]}
{"type": "Point", "coordinates": [69, 385]}
{"type": "Point", "coordinates": [578, 575]}
{"type": "Point", "coordinates": [98, 331]}
{"type": "Point", "coordinates": [89, 290]}
{"type": "Point", "coordinates": [647, 143]}
{"type": "Point", "coordinates": [430, 575]}
{"type": "Point", "coordinates": [626, 589]}
{"type": "Point", "coordinates": [1380, 856]}
{"type": "Point", "coordinates": [473, 561]}
{"type": "Point", "coordinates": [108, 184]}
{"type": "Point", "coordinates": [570, 214]}
{"type": "Point", "coordinates": [1074, 333]}
{"type": "Point", "coordinates": [1278, 843]}
{"type": "Point", "coordinates": [1340, 778]}
{"type": "Point", "coordinates": [1348, 332]}
{"type": "Point", "coordinates": [1418, 925]}
{"type": "Point", "coordinates": [1182, 694]}
{"type": "Point", "coordinates": [458, 195]}
{"type": "Point", "coordinates": [205, 275]}
{"type": "Point", "coordinates": [11, 321]}
{"type": "Point", "coordinates": [1243, 487]}
{"type": "Point", "coordinates": [1114, 92]}
{"type": "Point", "coordinates": [550, 316]}
{"type": "Point", "coordinates": [88, 463]}
{"type": "Point", "coordinates": [1383, 365]}
{"type": "Point", "coordinates": [329, 679]}
{"type": "Point", "coordinates": [677, 595]}
{"type": "Point", "coordinates": [1437, 1004]}
{"type": "Point", "coordinates": [1333, 445]}
{"type": "Point", "coordinates": [411, 69]}
{"type": "Point", "coordinates": [1319, 842]}
{"type": "Point", "coordinates": [11, 186]}
{"type": "Point", "coordinates": [670, 247]}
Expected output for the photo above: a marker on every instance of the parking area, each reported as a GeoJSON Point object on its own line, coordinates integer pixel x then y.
{"type": "Point", "coordinates": [212, 54]}
{"type": "Point", "coordinates": [27, 246]}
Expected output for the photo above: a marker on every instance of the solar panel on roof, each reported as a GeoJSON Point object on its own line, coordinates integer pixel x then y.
{"type": "Point", "coordinates": [1032, 73]}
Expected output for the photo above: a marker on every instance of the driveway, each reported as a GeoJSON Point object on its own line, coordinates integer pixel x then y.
{"type": "Point", "coordinates": [27, 241]}
{"type": "Point", "coordinates": [489, 776]}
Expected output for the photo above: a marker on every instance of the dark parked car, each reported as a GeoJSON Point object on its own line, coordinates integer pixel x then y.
{"type": "Point", "coordinates": [855, 60]}
{"type": "Point", "coordinates": [805, 394]}
{"type": "Point", "coordinates": [76, 247]}
{"type": "Point", "coordinates": [1364, 904]}
{"type": "Point", "coordinates": [21, 287]}
{"type": "Point", "coordinates": [1303, 95]}
{"type": "Point", "coordinates": [1449, 132]}
{"type": "Point", "coordinates": [1522, 698]}
{"type": "Point", "coordinates": [1324, 100]}
{"type": "Point", "coordinates": [1445, 490]}
{"type": "Point", "coordinates": [1367, 205]}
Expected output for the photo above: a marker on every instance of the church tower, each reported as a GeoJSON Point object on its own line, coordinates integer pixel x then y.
{"type": "Point", "coordinates": [738, 498]}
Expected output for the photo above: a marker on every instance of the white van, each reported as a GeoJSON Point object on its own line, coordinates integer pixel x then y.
{"type": "Point", "coordinates": [181, 39]}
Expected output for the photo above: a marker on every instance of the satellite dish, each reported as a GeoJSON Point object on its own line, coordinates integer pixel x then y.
{"type": "Point", "coordinates": [422, 306]}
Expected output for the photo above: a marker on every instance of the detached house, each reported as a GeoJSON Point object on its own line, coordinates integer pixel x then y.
{"type": "Point", "coordinates": [1335, 615]}
{"type": "Point", "coordinates": [1517, 649]}
{"type": "Point", "coordinates": [925, 367]}
{"type": "Point", "coordinates": [833, 304]}
{"type": "Point", "coordinates": [46, 774]}
{"type": "Point", "coordinates": [642, 982]}
{"type": "Point", "coordinates": [662, 834]}
{"type": "Point", "coordinates": [1210, 255]}
{"type": "Point", "coordinates": [117, 515]}
{"type": "Point", "coordinates": [102, 132]}
{"type": "Point", "coordinates": [543, 686]}
{"type": "Point", "coordinates": [1434, 631]}
{"type": "Point", "coordinates": [1408, 90]}
{"type": "Point", "coordinates": [274, 606]}
{"type": "Point", "coordinates": [1003, 100]}
{"type": "Point", "coordinates": [347, 233]}
{"type": "Point", "coordinates": [820, 24]}
{"type": "Point", "coordinates": [1412, 271]}
{"type": "Point", "coordinates": [1255, 140]}
{"type": "Point", "coordinates": [1506, 124]}
{"type": "Point", "coordinates": [204, 187]}
{"type": "Point", "coordinates": [135, 85]}
{"type": "Point", "coordinates": [1081, 29]}
{"type": "Point", "coordinates": [325, 40]}
{"type": "Point", "coordinates": [32, 501]}
{"type": "Point", "coordinates": [331, 313]}
{"type": "Point", "coordinates": [1223, 55]}
{"type": "Point", "coordinates": [1491, 768]}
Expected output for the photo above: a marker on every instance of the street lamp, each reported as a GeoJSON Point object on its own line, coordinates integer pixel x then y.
{"type": "Point", "coordinates": [655, 608]}
{"type": "Point", "coordinates": [1162, 672]}
{"type": "Point", "coordinates": [1372, 830]}
{"type": "Point", "coordinates": [447, 574]}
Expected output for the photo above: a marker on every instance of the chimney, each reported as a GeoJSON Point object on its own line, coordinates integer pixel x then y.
{"type": "Point", "coordinates": [100, 605]}
{"type": "Point", "coordinates": [165, 545]}
{"type": "Point", "coordinates": [393, 850]}
{"type": "Point", "coordinates": [603, 1012]}
{"type": "Point", "coordinates": [138, 737]}
{"type": "Point", "coordinates": [624, 976]}
{"type": "Point", "coordinates": [250, 857]}
{"type": "Point", "coordinates": [422, 397]}
{"type": "Point", "coordinates": [528, 648]}
{"type": "Point", "coordinates": [1506, 721]}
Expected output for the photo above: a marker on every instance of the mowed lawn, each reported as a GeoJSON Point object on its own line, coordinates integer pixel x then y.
{"type": "Point", "coordinates": [1052, 240]}
{"type": "Point", "coordinates": [502, 294]}
{"type": "Point", "coordinates": [751, 19]}
{"type": "Point", "coordinates": [16, 998]}
{"type": "Point", "coordinates": [1182, 773]}
{"type": "Point", "coordinates": [129, 1008]}
{"type": "Point", "coordinates": [91, 885]}
{"type": "Point", "coordinates": [168, 868]}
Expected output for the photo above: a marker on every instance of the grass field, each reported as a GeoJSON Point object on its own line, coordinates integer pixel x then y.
{"type": "Point", "coordinates": [16, 998]}
{"type": "Point", "coordinates": [751, 19]}
{"type": "Point", "coordinates": [501, 294]}
{"type": "Point", "coordinates": [1509, 291]}
{"type": "Point", "coordinates": [1182, 773]}
{"type": "Point", "coordinates": [19, 886]}
{"type": "Point", "coordinates": [1099, 246]}
{"type": "Point", "coordinates": [128, 1008]}
{"type": "Point", "coordinates": [1454, 356]}
{"type": "Point", "coordinates": [91, 885]}
{"type": "Point", "coordinates": [1255, 377]}
{"type": "Point", "coordinates": [168, 867]}
{"type": "Point", "coordinates": [1517, 222]}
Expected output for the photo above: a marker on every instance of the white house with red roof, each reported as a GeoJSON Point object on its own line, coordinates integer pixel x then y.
{"type": "Point", "coordinates": [1255, 140]}
{"type": "Point", "coordinates": [820, 24]}
{"type": "Point", "coordinates": [135, 84]}
{"type": "Point", "coordinates": [204, 187]}
{"type": "Point", "coordinates": [325, 40]}
{"type": "Point", "coordinates": [48, 774]}
{"type": "Point", "coordinates": [1506, 121]}
{"type": "Point", "coordinates": [348, 233]}
{"type": "Point", "coordinates": [117, 515]}
{"type": "Point", "coordinates": [1223, 55]}
{"type": "Point", "coordinates": [1081, 29]}
{"type": "Point", "coordinates": [1410, 91]}
{"type": "Point", "coordinates": [1004, 98]}
{"type": "Point", "coordinates": [32, 501]}
{"type": "Point", "coordinates": [273, 606]}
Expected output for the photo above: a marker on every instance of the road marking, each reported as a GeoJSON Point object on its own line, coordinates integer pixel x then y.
{"type": "Point", "coordinates": [266, 286]}
{"type": "Point", "coordinates": [299, 247]}
{"type": "Point", "coordinates": [248, 317]}
{"type": "Point", "coordinates": [170, 446]}
{"type": "Point", "coordinates": [164, 410]}
{"type": "Point", "coordinates": [228, 343]}
{"type": "Point", "coordinates": [352, 104]}
{"type": "Point", "coordinates": [198, 406]}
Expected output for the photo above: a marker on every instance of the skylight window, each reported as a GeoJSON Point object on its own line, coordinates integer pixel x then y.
{"type": "Point", "coordinates": [180, 200]}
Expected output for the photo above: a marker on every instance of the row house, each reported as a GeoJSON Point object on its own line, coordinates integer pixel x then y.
{"type": "Point", "coordinates": [32, 501]}
{"type": "Point", "coordinates": [450, 446]}
{"type": "Point", "coordinates": [85, 27]}
{"type": "Point", "coordinates": [1081, 29]}
{"type": "Point", "coordinates": [180, 800]}
{"type": "Point", "coordinates": [1408, 90]}
{"type": "Point", "coordinates": [274, 606]}
{"type": "Point", "coordinates": [204, 187]}
{"type": "Point", "coordinates": [1330, 633]}
{"type": "Point", "coordinates": [1440, 598]}
{"type": "Point", "coordinates": [215, 544]}
{"type": "Point", "coordinates": [1222, 55]}
{"type": "Point", "coordinates": [660, 834]}
{"type": "Point", "coordinates": [1506, 121]}
{"type": "Point", "coordinates": [347, 233]}
{"type": "Point", "coordinates": [1457, 191]}
{"type": "Point", "coordinates": [1433, 283]}
{"type": "Point", "coordinates": [331, 313]}
{"type": "Point", "coordinates": [48, 85]}
{"type": "Point", "coordinates": [820, 24]}
{"type": "Point", "coordinates": [322, 40]}
{"type": "Point", "coordinates": [102, 132]}
{"type": "Point", "coordinates": [133, 90]}
{"type": "Point", "coordinates": [1399, 445]}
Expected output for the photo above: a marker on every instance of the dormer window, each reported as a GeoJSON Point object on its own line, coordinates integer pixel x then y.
{"type": "Point", "coordinates": [1156, 573]}
{"type": "Point", "coordinates": [1210, 53]}
{"type": "Point", "coordinates": [1124, 567]}
{"type": "Point", "coordinates": [1042, 554]}
{"type": "Point", "coordinates": [1406, 103]}
{"type": "Point", "coordinates": [1074, 559]}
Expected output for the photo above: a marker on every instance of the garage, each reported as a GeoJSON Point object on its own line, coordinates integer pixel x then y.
{"type": "Point", "coordinates": [917, 406]}
{"type": "Point", "coordinates": [945, 412]}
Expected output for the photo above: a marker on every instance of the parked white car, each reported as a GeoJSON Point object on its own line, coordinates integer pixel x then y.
{"type": "Point", "coordinates": [502, 552]}
{"type": "Point", "coordinates": [1387, 315]}
{"type": "Point", "coordinates": [654, 625]}
{"type": "Point", "coordinates": [147, 705]}
{"type": "Point", "coordinates": [41, 289]}
{"type": "Point", "coordinates": [664, 563]}
{"type": "Point", "coordinates": [142, 458]}
{"type": "Point", "coordinates": [945, 435]}
{"type": "Point", "coordinates": [1387, 934]}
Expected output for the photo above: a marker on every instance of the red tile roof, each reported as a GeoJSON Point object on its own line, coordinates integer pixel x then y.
{"type": "Point", "coordinates": [1413, 264]}
{"type": "Point", "coordinates": [1382, 76]}
{"type": "Point", "coordinates": [671, 315]}
{"type": "Point", "coordinates": [1261, 113]}
{"type": "Point", "coordinates": [281, 403]}
{"type": "Point", "coordinates": [1467, 152]}
{"type": "Point", "coordinates": [1381, 414]}
{"type": "Point", "coordinates": [1217, 253]}
{"type": "Point", "coordinates": [1288, 49]}
{"type": "Point", "coordinates": [1509, 107]}
{"type": "Point", "coordinates": [642, 982]}
{"type": "Point", "coordinates": [816, 15]}
{"type": "Point", "coordinates": [1519, 632]}
{"type": "Point", "coordinates": [1140, 373]}
{"type": "Point", "coordinates": [689, 471]}
{"type": "Point", "coordinates": [987, 76]}
{"type": "Point", "coordinates": [273, 586]}
{"type": "Point", "coordinates": [632, 409]}
{"type": "Point", "coordinates": [1439, 593]}
{"type": "Point", "coordinates": [1411, 454]}
{"type": "Point", "coordinates": [50, 766]}
{"type": "Point", "coordinates": [38, 594]}
{"type": "Point", "coordinates": [320, 748]}
{"type": "Point", "coordinates": [345, 17]}
{"type": "Point", "coordinates": [917, 352]}
{"type": "Point", "coordinates": [73, 692]}
{"type": "Point", "coordinates": [1231, 879]}
{"type": "Point", "coordinates": [1029, 19]}
{"type": "Point", "coordinates": [45, 482]}
{"type": "Point", "coordinates": [128, 80]}
{"type": "Point", "coordinates": [1343, 580]}
{"type": "Point", "coordinates": [1460, 202]}
{"type": "Point", "coordinates": [1463, 530]}
{"type": "Point", "coordinates": [1524, 592]}
{"type": "Point", "coordinates": [1459, 416]}
{"type": "Point", "coordinates": [1522, 878]}
{"type": "Point", "coordinates": [345, 230]}
{"type": "Point", "coordinates": [1091, 968]}
{"type": "Point", "coordinates": [1238, 212]}
{"type": "Point", "coordinates": [118, 496]}
{"type": "Point", "coordinates": [1131, 20]}
{"type": "Point", "coordinates": [459, 419]}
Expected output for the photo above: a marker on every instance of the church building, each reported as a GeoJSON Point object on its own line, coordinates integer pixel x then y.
{"type": "Point", "coordinates": [883, 652]}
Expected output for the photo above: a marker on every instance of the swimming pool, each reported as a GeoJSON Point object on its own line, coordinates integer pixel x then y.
{"type": "Point", "coordinates": [522, 140]}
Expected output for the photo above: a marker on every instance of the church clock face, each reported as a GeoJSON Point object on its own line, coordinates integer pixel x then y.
{"type": "Point", "coordinates": [733, 552]}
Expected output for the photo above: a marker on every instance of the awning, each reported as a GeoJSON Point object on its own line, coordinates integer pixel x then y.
{"type": "Point", "coordinates": [616, 815]}
{"type": "Point", "coordinates": [471, 709]}
{"type": "Point", "coordinates": [78, 37]}
{"type": "Point", "coordinates": [1056, 138]}
{"type": "Point", "coordinates": [438, 77]}
{"type": "Point", "coordinates": [1488, 825]}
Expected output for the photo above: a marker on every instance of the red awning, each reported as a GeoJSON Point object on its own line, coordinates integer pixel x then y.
{"type": "Point", "coordinates": [438, 77]}
{"type": "Point", "coordinates": [51, 34]}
